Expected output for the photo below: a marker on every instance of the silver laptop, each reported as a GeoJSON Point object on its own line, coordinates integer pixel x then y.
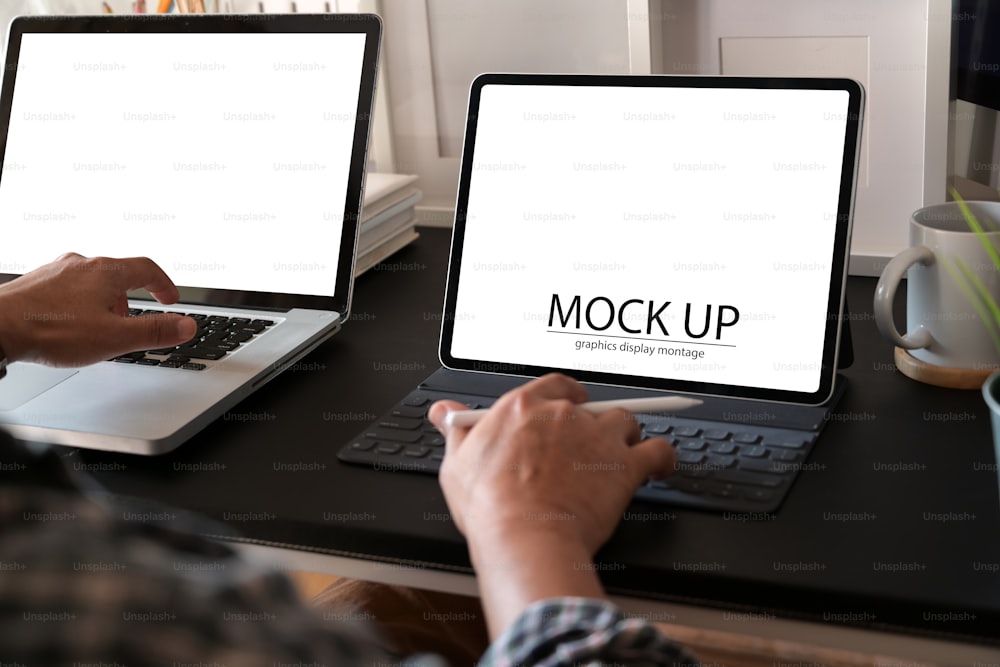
{"type": "Point", "coordinates": [230, 150]}
{"type": "Point", "coordinates": [651, 234]}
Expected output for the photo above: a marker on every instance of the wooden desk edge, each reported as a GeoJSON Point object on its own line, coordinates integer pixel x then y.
{"type": "Point", "coordinates": [691, 625]}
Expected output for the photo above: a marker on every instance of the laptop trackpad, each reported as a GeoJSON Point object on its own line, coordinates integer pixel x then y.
{"type": "Point", "coordinates": [25, 381]}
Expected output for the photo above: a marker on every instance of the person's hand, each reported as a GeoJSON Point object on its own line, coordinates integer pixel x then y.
{"type": "Point", "coordinates": [538, 460]}
{"type": "Point", "coordinates": [537, 487]}
{"type": "Point", "coordinates": [74, 311]}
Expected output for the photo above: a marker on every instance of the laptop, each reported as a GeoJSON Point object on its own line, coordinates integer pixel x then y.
{"type": "Point", "coordinates": [650, 235]}
{"type": "Point", "coordinates": [229, 149]}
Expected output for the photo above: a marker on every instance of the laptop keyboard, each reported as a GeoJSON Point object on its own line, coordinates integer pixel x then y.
{"type": "Point", "coordinates": [217, 336]}
{"type": "Point", "coordinates": [720, 466]}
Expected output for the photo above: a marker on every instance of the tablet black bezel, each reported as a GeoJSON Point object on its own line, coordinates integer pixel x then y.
{"type": "Point", "coordinates": [369, 25]}
{"type": "Point", "coordinates": [838, 273]}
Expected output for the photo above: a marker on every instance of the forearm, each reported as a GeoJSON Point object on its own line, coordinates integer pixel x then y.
{"type": "Point", "coordinates": [518, 568]}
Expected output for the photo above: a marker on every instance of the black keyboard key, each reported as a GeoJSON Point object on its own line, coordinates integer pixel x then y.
{"type": "Point", "coordinates": [748, 477]}
{"type": "Point", "coordinates": [388, 448]}
{"type": "Point", "coordinates": [212, 336]}
{"type": "Point", "coordinates": [226, 347]}
{"type": "Point", "coordinates": [263, 323]}
{"type": "Point", "coordinates": [208, 353]}
{"type": "Point", "coordinates": [178, 357]}
{"type": "Point", "coordinates": [437, 456]}
{"type": "Point", "coordinates": [788, 442]}
{"type": "Point", "coordinates": [746, 438]}
{"type": "Point", "coordinates": [411, 413]}
{"type": "Point", "coordinates": [725, 491]}
{"type": "Point", "coordinates": [166, 363]}
{"type": "Point", "coordinates": [198, 317]}
{"type": "Point", "coordinates": [147, 362]}
{"type": "Point", "coordinates": [764, 465]}
{"type": "Point", "coordinates": [721, 462]}
{"type": "Point", "coordinates": [162, 350]}
{"type": "Point", "coordinates": [784, 455]}
{"type": "Point", "coordinates": [754, 452]}
{"type": "Point", "coordinates": [687, 431]}
{"type": "Point", "coordinates": [240, 320]}
{"type": "Point", "coordinates": [759, 495]}
{"type": "Point", "coordinates": [689, 485]}
{"type": "Point", "coordinates": [657, 429]}
{"type": "Point", "coordinates": [134, 356]}
{"type": "Point", "coordinates": [134, 311]}
{"type": "Point", "coordinates": [723, 448]}
{"type": "Point", "coordinates": [692, 445]}
{"type": "Point", "coordinates": [237, 337]}
{"type": "Point", "coordinates": [716, 434]}
{"type": "Point", "coordinates": [416, 452]}
{"type": "Point", "coordinates": [404, 423]}
{"type": "Point", "coordinates": [363, 445]}
{"type": "Point", "coordinates": [194, 367]}
{"type": "Point", "coordinates": [124, 360]}
{"type": "Point", "coordinates": [433, 440]}
{"type": "Point", "coordinates": [394, 435]}
{"type": "Point", "coordinates": [415, 401]}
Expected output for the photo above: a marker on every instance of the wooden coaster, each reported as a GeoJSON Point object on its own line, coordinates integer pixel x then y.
{"type": "Point", "coordinates": [940, 376]}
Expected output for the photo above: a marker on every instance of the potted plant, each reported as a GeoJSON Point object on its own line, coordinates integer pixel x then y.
{"type": "Point", "coordinates": [984, 302]}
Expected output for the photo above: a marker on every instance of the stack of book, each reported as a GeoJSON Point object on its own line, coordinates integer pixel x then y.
{"type": "Point", "coordinates": [388, 217]}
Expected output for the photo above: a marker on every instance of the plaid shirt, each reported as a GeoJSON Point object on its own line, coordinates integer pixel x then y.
{"type": "Point", "coordinates": [83, 581]}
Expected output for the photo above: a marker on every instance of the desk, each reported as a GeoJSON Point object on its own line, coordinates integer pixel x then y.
{"type": "Point", "coordinates": [894, 525]}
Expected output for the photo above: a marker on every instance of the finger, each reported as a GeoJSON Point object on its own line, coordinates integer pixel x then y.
{"type": "Point", "coordinates": [143, 272]}
{"type": "Point", "coordinates": [620, 424]}
{"type": "Point", "coordinates": [653, 457]}
{"type": "Point", "coordinates": [554, 386]}
{"type": "Point", "coordinates": [438, 415]}
{"type": "Point", "coordinates": [148, 332]}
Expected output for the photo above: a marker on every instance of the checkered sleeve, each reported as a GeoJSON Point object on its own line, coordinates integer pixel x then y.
{"type": "Point", "coordinates": [87, 581]}
{"type": "Point", "coordinates": [582, 631]}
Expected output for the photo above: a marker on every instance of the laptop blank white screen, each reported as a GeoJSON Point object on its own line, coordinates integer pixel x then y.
{"type": "Point", "coordinates": [224, 157]}
{"type": "Point", "coordinates": [592, 208]}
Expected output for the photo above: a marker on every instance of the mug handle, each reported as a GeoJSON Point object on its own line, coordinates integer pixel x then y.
{"type": "Point", "coordinates": [885, 292]}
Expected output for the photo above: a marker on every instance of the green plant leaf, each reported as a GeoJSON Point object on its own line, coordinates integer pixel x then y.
{"type": "Point", "coordinates": [983, 302]}
{"type": "Point", "coordinates": [973, 222]}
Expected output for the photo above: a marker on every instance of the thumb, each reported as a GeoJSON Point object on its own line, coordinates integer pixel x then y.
{"type": "Point", "coordinates": [654, 458]}
{"type": "Point", "coordinates": [155, 330]}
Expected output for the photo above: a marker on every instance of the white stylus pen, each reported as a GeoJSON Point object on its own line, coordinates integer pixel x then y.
{"type": "Point", "coordinates": [467, 418]}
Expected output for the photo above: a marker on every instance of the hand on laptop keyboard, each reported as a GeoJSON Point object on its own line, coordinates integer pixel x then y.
{"type": "Point", "coordinates": [70, 312]}
{"type": "Point", "coordinates": [217, 335]}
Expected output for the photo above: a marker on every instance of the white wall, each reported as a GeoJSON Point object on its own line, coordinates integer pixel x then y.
{"type": "Point", "coordinates": [434, 48]}
{"type": "Point", "coordinates": [900, 50]}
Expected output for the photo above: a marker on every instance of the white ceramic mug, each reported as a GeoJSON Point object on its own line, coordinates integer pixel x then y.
{"type": "Point", "coordinates": [943, 326]}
